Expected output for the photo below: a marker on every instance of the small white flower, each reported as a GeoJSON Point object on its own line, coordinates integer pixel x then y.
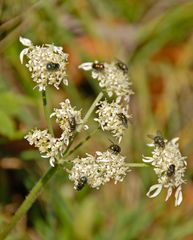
{"type": "Point", "coordinates": [99, 169]}
{"type": "Point", "coordinates": [47, 64]}
{"type": "Point", "coordinates": [25, 41]}
{"type": "Point", "coordinates": [112, 117]}
{"type": "Point", "coordinates": [86, 66]}
{"type": "Point", "coordinates": [48, 146]}
{"type": "Point", "coordinates": [169, 166]}
{"type": "Point", "coordinates": [111, 76]}
{"type": "Point", "coordinates": [68, 119]}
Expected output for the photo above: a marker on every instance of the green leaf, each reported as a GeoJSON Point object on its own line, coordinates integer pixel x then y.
{"type": "Point", "coordinates": [7, 126]}
{"type": "Point", "coordinates": [11, 102]}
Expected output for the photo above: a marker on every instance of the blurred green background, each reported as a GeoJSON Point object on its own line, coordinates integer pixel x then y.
{"type": "Point", "coordinates": [155, 38]}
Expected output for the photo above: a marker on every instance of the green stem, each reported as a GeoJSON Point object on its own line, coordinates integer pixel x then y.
{"type": "Point", "coordinates": [28, 201]}
{"type": "Point", "coordinates": [138, 165]}
{"type": "Point", "coordinates": [46, 112]}
{"type": "Point", "coordinates": [83, 142]}
{"type": "Point", "coordinates": [85, 119]}
{"type": "Point", "coordinates": [91, 109]}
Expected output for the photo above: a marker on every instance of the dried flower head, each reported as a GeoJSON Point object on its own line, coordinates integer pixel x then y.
{"type": "Point", "coordinates": [111, 76]}
{"type": "Point", "coordinates": [98, 169]}
{"type": "Point", "coordinates": [47, 64]}
{"type": "Point", "coordinates": [49, 147]}
{"type": "Point", "coordinates": [112, 117]}
{"type": "Point", "coordinates": [68, 119]}
{"type": "Point", "coordinates": [169, 166]}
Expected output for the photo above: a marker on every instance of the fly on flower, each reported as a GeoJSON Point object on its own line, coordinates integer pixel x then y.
{"type": "Point", "coordinates": [98, 66]}
{"type": "Point", "coordinates": [72, 123]}
{"type": "Point", "coordinates": [112, 117]}
{"type": "Point", "coordinates": [81, 183]}
{"type": "Point", "coordinates": [46, 63]}
{"type": "Point", "coordinates": [112, 77]}
{"type": "Point", "coordinates": [171, 170]}
{"type": "Point", "coordinates": [115, 148]}
{"type": "Point", "coordinates": [122, 66]}
{"type": "Point", "coordinates": [157, 139]}
{"type": "Point", "coordinates": [52, 66]}
{"type": "Point", "coordinates": [98, 169]}
{"type": "Point", "coordinates": [169, 166]}
{"type": "Point", "coordinates": [123, 119]}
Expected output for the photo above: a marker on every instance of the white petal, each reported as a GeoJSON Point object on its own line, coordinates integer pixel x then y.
{"type": "Point", "coordinates": [52, 114]}
{"type": "Point", "coordinates": [110, 94]}
{"type": "Point", "coordinates": [65, 81]}
{"type": "Point", "coordinates": [150, 145]}
{"type": "Point", "coordinates": [66, 141]}
{"type": "Point", "coordinates": [98, 153]}
{"type": "Point", "coordinates": [85, 127]}
{"type": "Point", "coordinates": [148, 159]}
{"type": "Point", "coordinates": [174, 140]}
{"type": "Point", "coordinates": [57, 49]}
{"type": "Point", "coordinates": [169, 193]}
{"type": "Point", "coordinates": [52, 160]}
{"type": "Point", "coordinates": [25, 41]}
{"type": "Point", "coordinates": [118, 100]}
{"type": "Point", "coordinates": [94, 74]}
{"type": "Point", "coordinates": [67, 101]}
{"type": "Point", "coordinates": [86, 66]}
{"type": "Point", "coordinates": [22, 54]}
{"type": "Point", "coordinates": [178, 196]}
{"type": "Point", "coordinates": [156, 189]}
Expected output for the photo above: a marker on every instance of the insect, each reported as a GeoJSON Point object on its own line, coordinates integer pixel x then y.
{"type": "Point", "coordinates": [171, 170]}
{"type": "Point", "coordinates": [115, 148]}
{"type": "Point", "coordinates": [72, 123]}
{"type": "Point", "coordinates": [98, 66]}
{"type": "Point", "coordinates": [158, 140]}
{"type": "Point", "coordinates": [51, 66]}
{"type": "Point", "coordinates": [122, 66]}
{"type": "Point", "coordinates": [81, 183]}
{"type": "Point", "coordinates": [123, 119]}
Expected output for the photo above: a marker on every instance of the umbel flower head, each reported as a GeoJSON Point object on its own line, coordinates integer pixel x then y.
{"type": "Point", "coordinates": [112, 117]}
{"type": "Point", "coordinates": [68, 119]}
{"type": "Point", "coordinates": [99, 169]}
{"type": "Point", "coordinates": [47, 64]}
{"type": "Point", "coordinates": [169, 166]}
{"type": "Point", "coordinates": [49, 147]}
{"type": "Point", "coordinates": [53, 148]}
{"type": "Point", "coordinates": [113, 77]}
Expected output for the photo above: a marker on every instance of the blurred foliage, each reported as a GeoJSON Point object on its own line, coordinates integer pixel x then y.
{"type": "Point", "coordinates": [156, 39]}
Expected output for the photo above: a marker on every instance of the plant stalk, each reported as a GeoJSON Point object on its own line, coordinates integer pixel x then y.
{"type": "Point", "coordinates": [30, 199]}
{"type": "Point", "coordinates": [46, 112]}
{"type": "Point", "coordinates": [32, 196]}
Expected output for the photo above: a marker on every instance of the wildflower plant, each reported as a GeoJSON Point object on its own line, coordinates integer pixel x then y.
{"type": "Point", "coordinates": [113, 117]}
{"type": "Point", "coordinates": [47, 65]}
{"type": "Point", "coordinates": [169, 166]}
{"type": "Point", "coordinates": [113, 77]}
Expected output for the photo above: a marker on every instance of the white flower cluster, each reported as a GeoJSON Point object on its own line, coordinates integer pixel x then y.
{"type": "Point", "coordinates": [113, 77]}
{"type": "Point", "coordinates": [112, 117]}
{"type": "Point", "coordinates": [49, 146]}
{"type": "Point", "coordinates": [98, 170]}
{"type": "Point", "coordinates": [169, 166]}
{"type": "Point", "coordinates": [68, 119]}
{"type": "Point", "coordinates": [47, 64]}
